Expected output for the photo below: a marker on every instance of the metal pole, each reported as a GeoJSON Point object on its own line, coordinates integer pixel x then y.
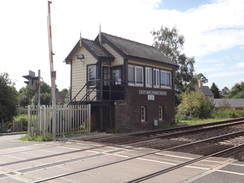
{"type": "Point", "coordinates": [38, 104]}
{"type": "Point", "coordinates": [52, 73]}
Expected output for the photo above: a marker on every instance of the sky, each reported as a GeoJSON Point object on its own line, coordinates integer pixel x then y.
{"type": "Point", "coordinates": [213, 31]}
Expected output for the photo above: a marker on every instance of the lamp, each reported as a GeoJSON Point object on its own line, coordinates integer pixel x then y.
{"type": "Point", "coordinates": [80, 56]}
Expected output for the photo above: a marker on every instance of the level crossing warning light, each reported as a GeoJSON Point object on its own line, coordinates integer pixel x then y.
{"type": "Point", "coordinates": [32, 80]}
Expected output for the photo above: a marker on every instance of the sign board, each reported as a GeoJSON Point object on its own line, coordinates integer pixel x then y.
{"type": "Point", "coordinates": [53, 75]}
{"type": "Point", "coordinates": [151, 92]}
{"type": "Point", "coordinates": [150, 97]}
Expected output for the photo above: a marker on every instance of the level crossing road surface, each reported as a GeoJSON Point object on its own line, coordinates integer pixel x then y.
{"type": "Point", "coordinates": [83, 161]}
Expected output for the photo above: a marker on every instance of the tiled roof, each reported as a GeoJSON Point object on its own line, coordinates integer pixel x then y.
{"type": "Point", "coordinates": [94, 48]}
{"type": "Point", "coordinates": [235, 103]}
{"type": "Point", "coordinates": [135, 49]}
{"type": "Point", "coordinates": [207, 91]}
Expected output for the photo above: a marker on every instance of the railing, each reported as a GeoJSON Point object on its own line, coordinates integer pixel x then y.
{"type": "Point", "coordinates": [99, 91]}
{"type": "Point", "coordinates": [73, 119]}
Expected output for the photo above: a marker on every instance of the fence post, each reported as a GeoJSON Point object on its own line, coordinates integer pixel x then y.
{"type": "Point", "coordinates": [89, 117]}
{"type": "Point", "coordinates": [29, 120]}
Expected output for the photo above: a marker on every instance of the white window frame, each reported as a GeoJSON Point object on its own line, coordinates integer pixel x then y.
{"type": "Point", "coordinates": [156, 78]}
{"type": "Point", "coordinates": [165, 82]}
{"type": "Point", "coordinates": [143, 114]}
{"type": "Point", "coordinates": [137, 83]}
{"type": "Point", "coordinates": [149, 76]}
{"type": "Point", "coordinates": [132, 82]}
{"type": "Point", "coordinates": [92, 82]}
{"type": "Point", "coordinates": [134, 74]}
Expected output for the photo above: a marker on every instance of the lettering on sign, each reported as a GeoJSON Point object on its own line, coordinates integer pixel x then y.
{"type": "Point", "coordinates": [151, 92]}
{"type": "Point", "coordinates": [150, 97]}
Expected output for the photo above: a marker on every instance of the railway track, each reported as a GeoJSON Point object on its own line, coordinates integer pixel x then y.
{"type": "Point", "coordinates": [152, 175]}
{"type": "Point", "coordinates": [212, 140]}
{"type": "Point", "coordinates": [166, 133]}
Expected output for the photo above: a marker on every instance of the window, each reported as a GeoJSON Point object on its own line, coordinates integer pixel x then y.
{"type": "Point", "coordinates": [117, 76]}
{"type": "Point", "coordinates": [143, 113]}
{"type": "Point", "coordinates": [106, 76]}
{"type": "Point", "coordinates": [156, 78]}
{"type": "Point", "coordinates": [148, 77]}
{"type": "Point", "coordinates": [92, 75]}
{"type": "Point", "coordinates": [139, 75]}
{"type": "Point", "coordinates": [165, 79]}
{"type": "Point", "coordinates": [135, 75]}
{"type": "Point", "coordinates": [161, 113]}
{"type": "Point", "coordinates": [131, 74]}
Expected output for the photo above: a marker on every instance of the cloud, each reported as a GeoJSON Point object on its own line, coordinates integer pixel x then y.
{"type": "Point", "coordinates": [213, 27]}
{"type": "Point", "coordinates": [240, 65]}
{"type": "Point", "coordinates": [226, 74]}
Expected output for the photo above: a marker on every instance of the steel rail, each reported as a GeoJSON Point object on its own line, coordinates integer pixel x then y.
{"type": "Point", "coordinates": [155, 174]}
{"type": "Point", "coordinates": [149, 153]}
{"type": "Point", "coordinates": [177, 133]}
{"type": "Point", "coordinates": [157, 132]}
{"type": "Point", "coordinates": [118, 145]}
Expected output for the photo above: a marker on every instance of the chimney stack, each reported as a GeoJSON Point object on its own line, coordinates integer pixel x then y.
{"type": "Point", "coordinates": [200, 84]}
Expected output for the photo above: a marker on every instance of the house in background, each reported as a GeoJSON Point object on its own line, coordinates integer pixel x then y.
{"type": "Point", "coordinates": [129, 85]}
{"type": "Point", "coordinates": [229, 103]}
{"type": "Point", "coordinates": [205, 90]}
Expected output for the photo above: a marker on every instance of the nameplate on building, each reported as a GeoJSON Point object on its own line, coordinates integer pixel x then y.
{"type": "Point", "coordinates": [150, 97]}
{"type": "Point", "coordinates": [151, 92]}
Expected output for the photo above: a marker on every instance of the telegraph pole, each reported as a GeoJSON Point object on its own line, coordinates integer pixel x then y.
{"type": "Point", "coordinates": [52, 72]}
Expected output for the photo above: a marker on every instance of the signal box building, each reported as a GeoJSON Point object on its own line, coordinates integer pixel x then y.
{"type": "Point", "coordinates": [129, 85]}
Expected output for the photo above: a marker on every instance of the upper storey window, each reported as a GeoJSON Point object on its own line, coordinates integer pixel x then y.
{"type": "Point", "coordinates": [165, 79]}
{"type": "Point", "coordinates": [91, 75]}
{"type": "Point", "coordinates": [135, 75]}
{"type": "Point", "coordinates": [154, 77]}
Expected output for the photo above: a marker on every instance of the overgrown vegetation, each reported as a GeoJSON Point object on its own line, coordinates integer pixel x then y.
{"type": "Point", "coordinates": [36, 138]}
{"type": "Point", "coordinates": [194, 105]}
{"type": "Point", "coordinates": [227, 113]}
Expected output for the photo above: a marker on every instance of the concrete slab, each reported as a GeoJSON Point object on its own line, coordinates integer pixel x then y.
{"type": "Point", "coordinates": [220, 177]}
{"type": "Point", "coordinates": [9, 180]}
{"type": "Point", "coordinates": [209, 170]}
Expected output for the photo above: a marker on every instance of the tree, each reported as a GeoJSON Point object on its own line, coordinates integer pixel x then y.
{"type": "Point", "coordinates": [236, 91]}
{"type": "Point", "coordinates": [8, 98]}
{"type": "Point", "coordinates": [170, 43]}
{"type": "Point", "coordinates": [225, 91]}
{"type": "Point", "coordinates": [214, 88]}
{"type": "Point", "coordinates": [27, 95]}
{"type": "Point", "coordinates": [194, 105]}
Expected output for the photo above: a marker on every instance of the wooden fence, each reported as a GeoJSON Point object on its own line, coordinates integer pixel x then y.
{"type": "Point", "coordinates": [72, 119]}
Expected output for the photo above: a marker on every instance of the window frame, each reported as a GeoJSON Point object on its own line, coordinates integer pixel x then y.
{"type": "Point", "coordinates": [165, 82]}
{"type": "Point", "coordinates": [149, 77]}
{"type": "Point", "coordinates": [156, 78]}
{"type": "Point", "coordinates": [117, 81]}
{"type": "Point", "coordinates": [91, 82]}
{"type": "Point", "coordinates": [135, 81]}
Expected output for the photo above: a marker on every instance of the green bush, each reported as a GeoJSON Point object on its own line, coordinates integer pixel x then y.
{"type": "Point", "coordinates": [36, 138]}
{"type": "Point", "coordinates": [194, 105]}
{"type": "Point", "coordinates": [227, 113]}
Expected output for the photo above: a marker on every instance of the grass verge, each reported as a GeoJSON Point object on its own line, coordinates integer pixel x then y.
{"type": "Point", "coordinates": [36, 138]}
{"type": "Point", "coordinates": [199, 121]}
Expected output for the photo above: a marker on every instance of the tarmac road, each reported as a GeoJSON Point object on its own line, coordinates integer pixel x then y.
{"type": "Point", "coordinates": [11, 141]}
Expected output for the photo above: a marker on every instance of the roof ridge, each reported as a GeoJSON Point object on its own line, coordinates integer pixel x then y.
{"type": "Point", "coordinates": [128, 39]}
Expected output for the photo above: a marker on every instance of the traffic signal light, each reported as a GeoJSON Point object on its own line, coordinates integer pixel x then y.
{"type": "Point", "coordinates": [32, 80]}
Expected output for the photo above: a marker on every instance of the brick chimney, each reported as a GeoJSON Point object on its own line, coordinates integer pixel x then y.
{"type": "Point", "coordinates": [200, 84]}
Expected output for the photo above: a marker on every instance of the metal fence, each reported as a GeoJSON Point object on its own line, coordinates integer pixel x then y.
{"type": "Point", "coordinates": [72, 119]}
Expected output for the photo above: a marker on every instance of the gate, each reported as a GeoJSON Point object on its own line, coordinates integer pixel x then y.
{"type": "Point", "coordinates": [70, 120]}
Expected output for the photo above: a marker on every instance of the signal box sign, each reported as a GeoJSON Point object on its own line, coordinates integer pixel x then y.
{"type": "Point", "coordinates": [151, 92]}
